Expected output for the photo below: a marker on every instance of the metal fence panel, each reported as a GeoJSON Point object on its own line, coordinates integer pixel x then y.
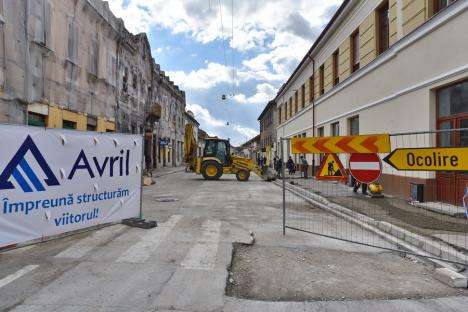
{"type": "Point", "coordinates": [422, 211]}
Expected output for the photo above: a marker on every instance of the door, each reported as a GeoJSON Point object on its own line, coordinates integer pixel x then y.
{"type": "Point", "coordinates": [461, 176]}
{"type": "Point", "coordinates": [451, 184]}
{"type": "Point", "coordinates": [452, 113]}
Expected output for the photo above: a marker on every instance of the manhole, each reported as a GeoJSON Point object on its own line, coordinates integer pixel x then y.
{"type": "Point", "coordinates": [164, 198]}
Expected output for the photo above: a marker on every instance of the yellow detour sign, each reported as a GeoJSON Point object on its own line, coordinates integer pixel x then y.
{"type": "Point", "coordinates": [357, 144]}
{"type": "Point", "coordinates": [429, 159]}
{"type": "Point", "coordinates": [331, 169]}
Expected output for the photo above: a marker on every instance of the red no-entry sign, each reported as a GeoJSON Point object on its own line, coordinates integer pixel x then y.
{"type": "Point", "coordinates": [365, 168]}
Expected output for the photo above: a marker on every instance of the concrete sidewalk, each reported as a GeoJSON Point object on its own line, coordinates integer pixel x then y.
{"type": "Point", "coordinates": [159, 172]}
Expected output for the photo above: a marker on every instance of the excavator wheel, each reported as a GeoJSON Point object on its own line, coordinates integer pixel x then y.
{"type": "Point", "coordinates": [243, 175]}
{"type": "Point", "coordinates": [211, 170]}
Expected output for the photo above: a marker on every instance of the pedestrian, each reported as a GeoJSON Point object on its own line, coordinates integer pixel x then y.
{"type": "Point", "coordinates": [305, 167]}
{"type": "Point", "coordinates": [264, 160]}
{"type": "Point", "coordinates": [258, 161]}
{"type": "Point", "coordinates": [290, 165]}
{"type": "Point", "coordinates": [357, 184]}
{"type": "Point", "coordinates": [279, 167]}
{"type": "Point", "coordinates": [275, 160]}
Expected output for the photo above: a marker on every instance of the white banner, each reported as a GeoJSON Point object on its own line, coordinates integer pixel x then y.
{"type": "Point", "coordinates": [54, 181]}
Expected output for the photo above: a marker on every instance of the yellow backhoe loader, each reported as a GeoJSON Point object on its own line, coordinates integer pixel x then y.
{"type": "Point", "coordinates": [217, 160]}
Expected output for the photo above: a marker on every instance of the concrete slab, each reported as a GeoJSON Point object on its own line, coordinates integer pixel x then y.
{"type": "Point", "coordinates": [68, 308]}
{"type": "Point", "coordinates": [241, 305]}
{"type": "Point", "coordinates": [105, 285]}
{"type": "Point", "coordinates": [451, 278]}
{"type": "Point", "coordinates": [458, 240]}
{"type": "Point", "coordinates": [442, 208]}
{"type": "Point", "coordinates": [193, 290]}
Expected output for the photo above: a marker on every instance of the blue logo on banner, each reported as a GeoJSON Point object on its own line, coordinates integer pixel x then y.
{"type": "Point", "coordinates": [19, 160]}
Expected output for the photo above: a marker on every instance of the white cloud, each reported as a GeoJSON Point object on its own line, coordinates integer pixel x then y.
{"type": "Point", "coordinates": [265, 93]}
{"type": "Point", "coordinates": [245, 131]}
{"type": "Point", "coordinates": [215, 126]}
{"type": "Point", "coordinates": [156, 51]}
{"type": "Point", "coordinates": [205, 78]}
{"type": "Point", "coordinates": [204, 117]}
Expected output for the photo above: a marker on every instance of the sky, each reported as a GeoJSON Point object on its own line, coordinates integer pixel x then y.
{"type": "Point", "coordinates": [244, 49]}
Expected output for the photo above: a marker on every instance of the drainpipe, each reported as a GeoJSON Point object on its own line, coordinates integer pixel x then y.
{"type": "Point", "coordinates": [26, 59]}
{"type": "Point", "coordinates": [117, 73]}
{"type": "Point", "coordinates": [313, 111]}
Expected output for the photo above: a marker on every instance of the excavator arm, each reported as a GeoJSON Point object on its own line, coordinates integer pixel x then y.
{"type": "Point", "coordinates": [190, 147]}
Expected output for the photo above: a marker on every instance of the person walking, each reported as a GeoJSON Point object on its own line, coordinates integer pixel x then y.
{"type": "Point", "coordinates": [279, 167]}
{"type": "Point", "coordinates": [305, 167]}
{"type": "Point", "coordinates": [290, 165]}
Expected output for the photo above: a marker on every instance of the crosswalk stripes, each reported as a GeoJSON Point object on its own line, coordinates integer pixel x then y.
{"type": "Point", "coordinates": [142, 250]}
{"type": "Point", "coordinates": [85, 245]}
{"type": "Point", "coordinates": [202, 256]}
{"type": "Point", "coordinates": [12, 277]}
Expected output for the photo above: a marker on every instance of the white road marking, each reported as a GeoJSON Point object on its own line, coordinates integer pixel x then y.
{"type": "Point", "coordinates": [10, 278]}
{"type": "Point", "coordinates": [202, 256]}
{"type": "Point", "coordinates": [211, 231]}
{"type": "Point", "coordinates": [85, 245]}
{"type": "Point", "coordinates": [142, 250]}
{"type": "Point", "coordinates": [364, 165]}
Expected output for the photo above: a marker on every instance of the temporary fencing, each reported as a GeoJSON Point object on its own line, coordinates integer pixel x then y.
{"type": "Point", "coordinates": [421, 211]}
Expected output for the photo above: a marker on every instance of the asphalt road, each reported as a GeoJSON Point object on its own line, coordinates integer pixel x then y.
{"type": "Point", "coordinates": [183, 265]}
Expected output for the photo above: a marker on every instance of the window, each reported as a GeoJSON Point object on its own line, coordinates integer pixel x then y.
{"type": "Point", "coordinates": [320, 132]}
{"type": "Point", "coordinates": [383, 28]}
{"type": "Point", "coordinates": [321, 76]}
{"type": "Point", "coordinates": [73, 33]}
{"type": "Point", "coordinates": [285, 111]}
{"type": "Point", "coordinates": [335, 129]}
{"type": "Point", "coordinates": [36, 120]}
{"type": "Point", "coordinates": [41, 11]}
{"type": "Point", "coordinates": [67, 124]}
{"type": "Point", "coordinates": [111, 68]}
{"type": "Point", "coordinates": [296, 102]}
{"type": "Point", "coordinates": [355, 51]}
{"type": "Point", "coordinates": [94, 57]}
{"type": "Point", "coordinates": [290, 106]}
{"type": "Point", "coordinates": [439, 5]}
{"type": "Point", "coordinates": [453, 100]}
{"type": "Point", "coordinates": [336, 67]}
{"type": "Point", "coordinates": [279, 115]}
{"type": "Point", "coordinates": [311, 88]}
{"type": "Point", "coordinates": [125, 81]}
{"type": "Point", "coordinates": [353, 125]}
{"type": "Point", "coordinates": [303, 96]}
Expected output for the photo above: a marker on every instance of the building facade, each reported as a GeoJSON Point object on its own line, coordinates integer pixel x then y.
{"type": "Point", "coordinates": [170, 128]}
{"type": "Point", "coordinates": [73, 64]}
{"type": "Point", "coordinates": [268, 122]}
{"type": "Point", "coordinates": [55, 69]}
{"type": "Point", "coordinates": [385, 67]}
{"type": "Point", "coordinates": [251, 148]}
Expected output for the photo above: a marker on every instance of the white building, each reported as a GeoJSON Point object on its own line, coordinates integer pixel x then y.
{"type": "Point", "coordinates": [385, 67]}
